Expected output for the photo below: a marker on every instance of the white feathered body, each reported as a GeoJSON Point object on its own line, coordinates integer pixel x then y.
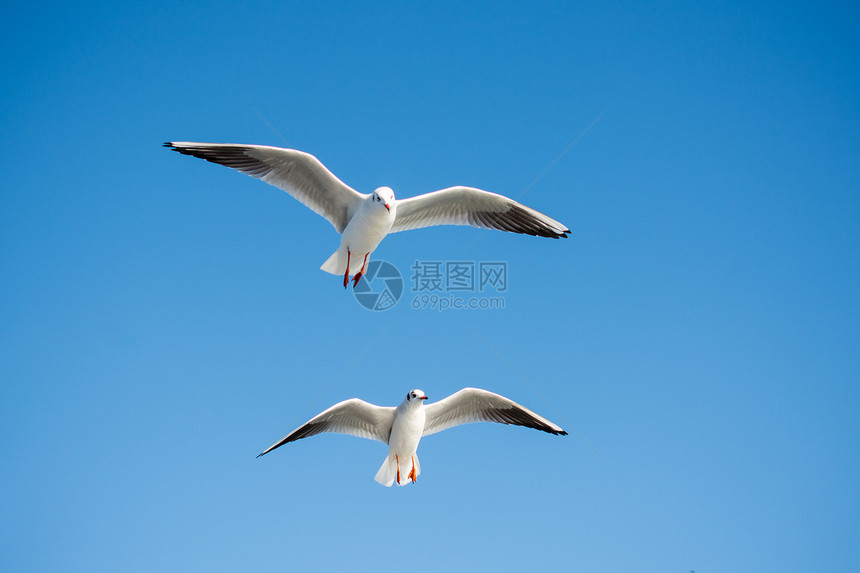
{"type": "Point", "coordinates": [362, 235]}
{"type": "Point", "coordinates": [406, 433]}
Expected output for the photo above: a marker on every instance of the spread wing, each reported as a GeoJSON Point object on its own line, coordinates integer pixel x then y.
{"type": "Point", "coordinates": [298, 173]}
{"type": "Point", "coordinates": [476, 405]}
{"type": "Point", "coordinates": [354, 417]}
{"type": "Point", "coordinates": [470, 206]}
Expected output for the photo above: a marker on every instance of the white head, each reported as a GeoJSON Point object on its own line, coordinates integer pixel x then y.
{"type": "Point", "coordinates": [415, 397]}
{"type": "Point", "coordinates": [383, 196]}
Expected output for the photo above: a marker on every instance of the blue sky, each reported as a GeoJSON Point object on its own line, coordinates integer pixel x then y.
{"type": "Point", "coordinates": [164, 319]}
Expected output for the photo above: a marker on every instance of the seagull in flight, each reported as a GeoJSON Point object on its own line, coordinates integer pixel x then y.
{"type": "Point", "coordinates": [364, 220]}
{"type": "Point", "coordinates": [404, 426]}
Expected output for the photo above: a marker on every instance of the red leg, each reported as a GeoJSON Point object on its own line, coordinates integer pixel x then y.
{"type": "Point", "coordinates": [346, 274]}
{"type": "Point", "coordinates": [412, 475]}
{"type": "Point", "coordinates": [361, 272]}
{"type": "Point", "coordinates": [396, 457]}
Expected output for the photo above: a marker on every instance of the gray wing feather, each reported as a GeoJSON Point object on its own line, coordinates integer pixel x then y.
{"type": "Point", "coordinates": [470, 206]}
{"type": "Point", "coordinates": [354, 417]}
{"type": "Point", "coordinates": [476, 405]}
{"type": "Point", "coordinates": [298, 173]}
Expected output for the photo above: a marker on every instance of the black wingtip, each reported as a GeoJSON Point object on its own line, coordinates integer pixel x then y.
{"type": "Point", "coordinates": [561, 433]}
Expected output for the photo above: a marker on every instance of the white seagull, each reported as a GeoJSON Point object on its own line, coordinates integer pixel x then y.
{"type": "Point", "coordinates": [364, 220]}
{"type": "Point", "coordinates": [404, 426]}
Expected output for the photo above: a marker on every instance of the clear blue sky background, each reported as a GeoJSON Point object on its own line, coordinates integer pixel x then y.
{"type": "Point", "coordinates": [164, 319]}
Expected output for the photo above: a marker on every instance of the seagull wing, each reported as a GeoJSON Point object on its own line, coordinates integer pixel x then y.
{"type": "Point", "coordinates": [298, 173]}
{"type": "Point", "coordinates": [470, 206]}
{"type": "Point", "coordinates": [476, 405]}
{"type": "Point", "coordinates": [354, 417]}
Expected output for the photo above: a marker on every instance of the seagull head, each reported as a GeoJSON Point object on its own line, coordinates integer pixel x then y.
{"type": "Point", "coordinates": [384, 196]}
{"type": "Point", "coordinates": [415, 397]}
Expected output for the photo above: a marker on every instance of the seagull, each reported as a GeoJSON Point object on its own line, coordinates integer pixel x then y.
{"type": "Point", "coordinates": [404, 426]}
{"type": "Point", "coordinates": [365, 219]}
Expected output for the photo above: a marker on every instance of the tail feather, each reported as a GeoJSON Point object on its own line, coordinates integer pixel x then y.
{"type": "Point", "coordinates": [336, 263]}
{"type": "Point", "coordinates": [387, 473]}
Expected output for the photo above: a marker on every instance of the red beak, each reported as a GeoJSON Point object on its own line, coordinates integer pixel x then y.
{"type": "Point", "coordinates": [423, 397]}
{"type": "Point", "coordinates": [388, 207]}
